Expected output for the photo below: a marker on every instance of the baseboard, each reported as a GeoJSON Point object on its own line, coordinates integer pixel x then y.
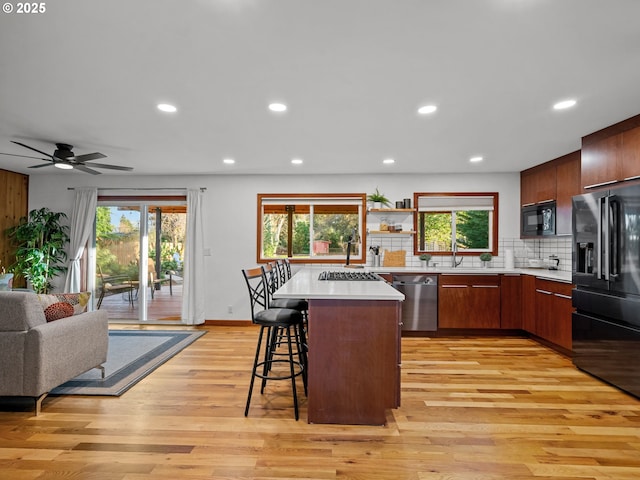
{"type": "Point", "coordinates": [229, 323]}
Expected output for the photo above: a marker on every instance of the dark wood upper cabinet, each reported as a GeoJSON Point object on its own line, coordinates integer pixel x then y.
{"type": "Point", "coordinates": [558, 180]}
{"type": "Point", "coordinates": [601, 162]}
{"type": "Point", "coordinates": [538, 184]}
{"type": "Point", "coordinates": [631, 154]}
{"type": "Point", "coordinates": [611, 155]}
{"type": "Point", "coordinates": [567, 185]}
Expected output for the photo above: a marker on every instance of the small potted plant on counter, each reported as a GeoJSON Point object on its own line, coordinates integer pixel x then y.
{"type": "Point", "coordinates": [378, 199]}
{"type": "Point", "coordinates": [485, 258]}
{"type": "Point", "coordinates": [425, 258]}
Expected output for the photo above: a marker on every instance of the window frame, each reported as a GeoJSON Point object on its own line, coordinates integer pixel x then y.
{"type": "Point", "coordinates": [361, 198]}
{"type": "Point", "coordinates": [494, 221]}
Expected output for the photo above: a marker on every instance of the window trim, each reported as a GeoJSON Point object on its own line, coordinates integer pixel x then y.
{"type": "Point", "coordinates": [361, 198]}
{"type": "Point", "coordinates": [494, 230]}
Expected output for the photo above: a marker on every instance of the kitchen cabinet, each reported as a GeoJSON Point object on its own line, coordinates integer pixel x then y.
{"type": "Point", "coordinates": [558, 180]}
{"type": "Point", "coordinates": [538, 184]}
{"type": "Point", "coordinates": [510, 301]}
{"type": "Point", "coordinates": [601, 162]}
{"type": "Point", "coordinates": [631, 154]}
{"type": "Point", "coordinates": [469, 301]}
{"type": "Point", "coordinates": [378, 216]}
{"type": "Point", "coordinates": [529, 303]}
{"type": "Point", "coordinates": [611, 155]}
{"type": "Point", "coordinates": [567, 185]}
{"type": "Point", "coordinates": [553, 310]}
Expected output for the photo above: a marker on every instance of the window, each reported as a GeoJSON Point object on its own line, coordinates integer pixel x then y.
{"type": "Point", "coordinates": [311, 228]}
{"type": "Point", "coordinates": [466, 220]}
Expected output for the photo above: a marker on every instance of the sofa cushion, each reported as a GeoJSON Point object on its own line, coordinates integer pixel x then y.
{"type": "Point", "coordinates": [78, 301]}
{"type": "Point", "coordinates": [58, 310]}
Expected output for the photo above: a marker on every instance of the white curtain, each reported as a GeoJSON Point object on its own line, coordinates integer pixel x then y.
{"type": "Point", "coordinates": [82, 219]}
{"type": "Point", "coordinates": [193, 293]}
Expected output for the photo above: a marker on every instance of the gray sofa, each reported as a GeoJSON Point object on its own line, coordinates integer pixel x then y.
{"type": "Point", "coordinates": [36, 356]}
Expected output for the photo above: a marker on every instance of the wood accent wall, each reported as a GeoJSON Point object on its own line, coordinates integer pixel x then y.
{"type": "Point", "coordinates": [14, 203]}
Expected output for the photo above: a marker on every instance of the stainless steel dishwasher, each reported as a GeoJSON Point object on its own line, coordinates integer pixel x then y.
{"type": "Point", "coordinates": [420, 306]}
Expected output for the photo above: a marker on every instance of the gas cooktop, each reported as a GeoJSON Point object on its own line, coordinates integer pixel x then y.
{"type": "Point", "coordinates": [349, 276]}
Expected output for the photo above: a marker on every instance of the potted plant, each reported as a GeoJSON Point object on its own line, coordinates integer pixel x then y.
{"type": "Point", "coordinates": [485, 258]}
{"type": "Point", "coordinates": [40, 239]}
{"type": "Point", "coordinates": [424, 259]}
{"type": "Point", "coordinates": [378, 199]}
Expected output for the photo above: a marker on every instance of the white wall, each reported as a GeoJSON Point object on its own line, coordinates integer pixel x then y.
{"type": "Point", "coordinates": [231, 209]}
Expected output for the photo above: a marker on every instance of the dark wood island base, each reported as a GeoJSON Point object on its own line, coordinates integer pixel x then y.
{"type": "Point", "coordinates": [354, 360]}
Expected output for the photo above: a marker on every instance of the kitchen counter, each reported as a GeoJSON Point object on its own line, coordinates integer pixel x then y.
{"type": "Point", "coordinates": [305, 284]}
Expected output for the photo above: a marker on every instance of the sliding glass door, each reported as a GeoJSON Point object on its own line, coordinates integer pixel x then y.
{"type": "Point", "coordinates": [139, 252]}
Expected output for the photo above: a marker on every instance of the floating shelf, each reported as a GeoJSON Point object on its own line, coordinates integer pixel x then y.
{"type": "Point", "coordinates": [386, 232]}
{"type": "Point", "coordinates": [392, 210]}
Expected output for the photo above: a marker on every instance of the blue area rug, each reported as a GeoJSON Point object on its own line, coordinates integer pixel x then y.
{"type": "Point", "coordinates": [133, 354]}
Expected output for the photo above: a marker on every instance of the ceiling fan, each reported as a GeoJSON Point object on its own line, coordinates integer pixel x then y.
{"type": "Point", "coordinates": [64, 158]}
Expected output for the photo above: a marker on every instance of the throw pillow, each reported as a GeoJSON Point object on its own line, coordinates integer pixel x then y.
{"type": "Point", "coordinates": [58, 310]}
{"type": "Point", "coordinates": [78, 301]}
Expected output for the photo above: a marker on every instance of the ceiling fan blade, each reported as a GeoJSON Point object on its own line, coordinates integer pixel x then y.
{"type": "Point", "coordinates": [24, 156]}
{"type": "Point", "coordinates": [111, 167]}
{"type": "Point", "coordinates": [82, 168]}
{"type": "Point", "coordinates": [89, 156]}
{"type": "Point", "coordinates": [50, 164]}
{"type": "Point", "coordinates": [31, 148]}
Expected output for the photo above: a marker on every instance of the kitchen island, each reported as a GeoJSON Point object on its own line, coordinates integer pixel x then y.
{"type": "Point", "coordinates": [354, 347]}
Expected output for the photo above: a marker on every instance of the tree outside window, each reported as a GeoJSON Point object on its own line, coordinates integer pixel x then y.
{"type": "Point", "coordinates": [309, 228]}
{"type": "Point", "coordinates": [467, 220]}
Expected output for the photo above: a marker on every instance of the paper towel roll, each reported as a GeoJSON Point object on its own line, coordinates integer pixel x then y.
{"type": "Point", "coordinates": [508, 259]}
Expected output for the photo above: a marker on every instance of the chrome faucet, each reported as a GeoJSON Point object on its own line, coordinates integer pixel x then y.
{"type": "Point", "coordinates": [454, 251]}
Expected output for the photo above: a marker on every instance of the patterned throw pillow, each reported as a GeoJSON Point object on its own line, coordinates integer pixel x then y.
{"type": "Point", "coordinates": [78, 301]}
{"type": "Point", "coordinates": [58, 310]}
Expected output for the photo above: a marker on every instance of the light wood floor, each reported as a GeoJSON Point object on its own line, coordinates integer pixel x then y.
{"type": "Point", "coordinates": [472, 408]}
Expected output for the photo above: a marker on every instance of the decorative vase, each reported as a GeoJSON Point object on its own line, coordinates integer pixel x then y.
{"type": "Point", "coordinates": [485, 263]}
{"type": "Point", "coordinates": [6, 282]}
{"type": "Point", "coordinates": [424, 263]}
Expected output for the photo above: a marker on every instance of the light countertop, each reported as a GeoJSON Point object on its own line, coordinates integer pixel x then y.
{"type": "Point", "coordinates": [305, 284]}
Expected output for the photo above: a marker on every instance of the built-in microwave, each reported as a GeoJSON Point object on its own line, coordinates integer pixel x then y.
{"type": "Point", "coordinates": [539, 219]}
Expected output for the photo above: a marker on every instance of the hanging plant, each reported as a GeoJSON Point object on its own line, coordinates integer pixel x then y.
{"type": "Point", "coordinates": [40, 239]}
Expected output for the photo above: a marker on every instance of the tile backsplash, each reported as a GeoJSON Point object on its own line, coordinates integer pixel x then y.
{"type": "Point", "coordinates": [523, 250]}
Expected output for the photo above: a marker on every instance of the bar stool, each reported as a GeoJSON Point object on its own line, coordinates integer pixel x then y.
{"type": "Point", "coordinates": [272, 321]}
{"type": "Point", "coordinates": [276, 275]}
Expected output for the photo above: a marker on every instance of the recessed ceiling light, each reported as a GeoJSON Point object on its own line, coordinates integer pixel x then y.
{"type": "Point", "coordinates": [165, 107]}
{"type": "Point", "coordinates": [296, 161]}
{"type": "Point", "coordinates": [277, 107]}
{"type": "Point", "coordinates": [426, 109]}
{"type": "Point", "coordinates": [475, 159]}
{"type": "Point", "coordinates": [388, 161]}
{"type": "Point", "coordinates": [229, 161]}
{"type": "Point", "coordinates": [63, 166]}
{"type": "Point", "coordinates": [564, 104]}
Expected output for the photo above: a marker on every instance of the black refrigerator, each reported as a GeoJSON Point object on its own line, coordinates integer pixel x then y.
{"type": "Point", "coordinates": [606, 272]}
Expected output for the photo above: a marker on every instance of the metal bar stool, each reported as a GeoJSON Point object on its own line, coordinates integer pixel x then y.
{"type": "Point", "coordinates": [272, 321]}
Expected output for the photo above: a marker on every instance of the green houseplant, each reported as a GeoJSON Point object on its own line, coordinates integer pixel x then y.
{"type": "Point", "coordinates": [378, 199]}
{"type": "Point", "coordinates": [425, 258]}
{"type": "Point", "coordinates": [40, 239]}
{"type": "Point", "coordinates": [485, 258]}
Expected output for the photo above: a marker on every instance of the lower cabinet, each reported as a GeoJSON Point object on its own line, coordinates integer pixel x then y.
{"type": "Point", "coordinates": [469, 301]}
{"type": "Point", "coordinates": [538, 306]}
{"type": "Point", "coordinates": [553, 312]}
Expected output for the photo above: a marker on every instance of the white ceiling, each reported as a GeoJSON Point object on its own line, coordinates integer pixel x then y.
{"type": "Point", "coordinates": [353, 73]}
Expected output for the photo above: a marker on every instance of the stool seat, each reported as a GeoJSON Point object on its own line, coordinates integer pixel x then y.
{"type": "Point", "coordinates": [292, 303]}
{"type": "Point", "coordinates": [278, 317]}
